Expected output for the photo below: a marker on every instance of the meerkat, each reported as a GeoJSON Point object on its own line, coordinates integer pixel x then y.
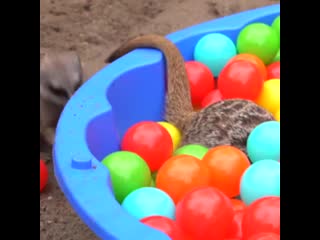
{"type": "Point", "coordinates": [60, 76]}
{"type": "Point", "coordinates": [227, 122]}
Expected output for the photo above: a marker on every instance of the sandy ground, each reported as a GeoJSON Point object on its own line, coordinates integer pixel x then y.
{"type": "Point", "coordinates": [94, 28]}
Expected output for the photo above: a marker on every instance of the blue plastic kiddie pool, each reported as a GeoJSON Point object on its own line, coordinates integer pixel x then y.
{"type": "Point", "coordinates": [92, 123]}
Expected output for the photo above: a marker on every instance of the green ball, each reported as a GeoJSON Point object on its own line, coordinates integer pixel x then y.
{"type": "Point", "coordinates": [277, 58]}
{"type": "Point", "coordinates": [259, 39]}
{"type": "Point", "coordinates": [195, 150]}
{"type": "Point", "coordinates": [276, 25]}
{"type": "Point", "coordinates": [128, 172]}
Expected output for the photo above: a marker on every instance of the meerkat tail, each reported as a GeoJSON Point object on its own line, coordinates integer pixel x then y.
{"type": "Point", "coordinates": [178, 99]}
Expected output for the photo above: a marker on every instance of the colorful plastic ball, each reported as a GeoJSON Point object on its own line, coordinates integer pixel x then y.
{"type": "Point", "coordinates": [214, 50]}
{"type": "Point", "coordinates": [261, 179]}
{"type": "Point", "coordinates": [276, 25]}
{"type": "Point", "coordinates": [166, 225]}
{"type": "Point", "coordinates": [212, 97]}
{"type": "Point", "coordinates": [265, 236]}
{"type": "Point", "coordinates": [174, 132]}
{"type": "Point", "coordinates": [240, 79]}
{"type": "Point", "coordinates": [205, 213]}
{"type": "Point", "coordinates": [253, 59]}
{"type": "Point", "coordinates": [194, 150]}
{"type": "Point", "coordinates": [149, 140]}
{"type": "Point", "coordinates": [201, 81]}
{"type": "Point", "coordinates": [181, 174]}
{"type": "Point", "coordinates": [264, 142]}
{"type": "Point", "coordinates": [262, 215]}
{"type": "Point", "coordinates": [259, 39]}
{"type": "Point", "coordinates": [226, 165]}
{"type": "Point", "coordinates": [269, 97]}
{"type": "Point", "coordinates": [43, 175]}
{"type": "Point", "coordinates": [128, 172]}
{"type": "Point", "coordinates": [277, 115]}
{"type": "Point", "coordinates": [149, 201]}
{"type": "Point", "coordinates": [237, 204]}
{"type": "Point", "coordinates": [235, 230]}
{"type": "Point", "coordinates": [273, 70]}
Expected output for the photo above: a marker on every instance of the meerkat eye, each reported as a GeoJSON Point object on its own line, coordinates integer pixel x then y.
{"type": "Point", "coordinates": [58, 91]}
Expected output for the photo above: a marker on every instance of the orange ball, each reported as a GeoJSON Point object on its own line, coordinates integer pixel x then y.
{"type": "Point", "coordinates": [253, 59]}
{"type": "Point", "coordinates": [226, 165]}
{"type": "Point", "coordinates": [237, 204]}
{"type": "Point", "coordinates": [181, 174]}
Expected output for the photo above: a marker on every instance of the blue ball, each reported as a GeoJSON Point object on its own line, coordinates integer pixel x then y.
{"type": "Point", "coordinates": [149, 201]}
{"type": "Point", "coordinates": [264, 142]}
{"type": "Point", "coordinates": [214, 50]}
{"type": "Point", "coordinates": [261, 179]}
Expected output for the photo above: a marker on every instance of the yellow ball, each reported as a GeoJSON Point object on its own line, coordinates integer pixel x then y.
{"type": "Point", "coordinates": [270, 96]}
{"type": "Point", "coordinates": [174, 133]}
{"type": "Point", "coordinates": [277, 115]}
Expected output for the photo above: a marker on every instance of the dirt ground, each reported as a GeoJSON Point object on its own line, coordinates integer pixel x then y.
{"type": "Point", "coordinates": [94, 28]}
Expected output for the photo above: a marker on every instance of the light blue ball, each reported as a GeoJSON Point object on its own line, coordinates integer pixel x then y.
{"type": "Point", "coordinates": [261, 179]}
{"type": "Point", "coordinates": [149, 201]}
{"type": "Point", "coordinates": [264, 142]}
{"type": "Point", "coordinates": [214, 50]}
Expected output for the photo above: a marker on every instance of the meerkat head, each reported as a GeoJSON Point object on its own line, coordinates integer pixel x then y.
{"type": "Point", "coordinates": [60, 76]}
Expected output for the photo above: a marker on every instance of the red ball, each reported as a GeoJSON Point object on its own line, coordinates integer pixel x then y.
{"type": "Point", "coordinates": [212, 97]}
{"type": "Point", "coordinates": [205, 213]}
{"type": "Point", "coordinates": [43, 175]}
{"type": "Point", "coordinates": [150, 141]}
{"type": "Point", "coordinates": [265, 236]}
{"type": "Point", "coordinates": [253, 59]}
{"type": "Point", "coordinates": [166, 225]}
{"type": "Point", "coordinates": [240, 79]}
{"type": "Point", "coordinates": [273, 70]}
{"type": "Point", "coordinates": [235, 230]}
{"type": "Point", "coordinates": [263, 215]}
{"type": "Point", "coordinates": [201, 81]}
